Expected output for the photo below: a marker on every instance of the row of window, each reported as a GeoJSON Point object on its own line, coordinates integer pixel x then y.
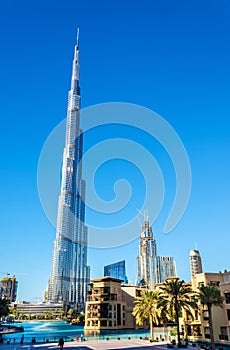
{"type": "Point", "coordinates": [103, 323]}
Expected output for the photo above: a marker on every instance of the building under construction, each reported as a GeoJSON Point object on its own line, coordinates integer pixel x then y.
{"type": "Point", "coordinates": [151, 268]}
{"type": "Point", "coordinates": [8, 288]}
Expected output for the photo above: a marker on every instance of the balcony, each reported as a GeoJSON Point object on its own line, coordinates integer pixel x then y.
{"type": "Point", "coordinates": [223, 337]}
{"type": "Point", "coordinates": [102, 297]}
{"type": "Point", "coordinates": [101, 291]}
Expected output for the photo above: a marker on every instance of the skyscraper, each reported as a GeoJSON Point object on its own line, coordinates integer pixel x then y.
{"type": "Point", "coordinates": [116, 270]}
{"type": "Point", "coordinates": [167, 267]}
{"type": "Point", "coordinates": [151, 268]}
{"type": "Point", "coordinates": [147, 261]}
{"type": "Point", "coordinates": [69, 277]}
{"type": "Point", "coordinates": [195, 262]}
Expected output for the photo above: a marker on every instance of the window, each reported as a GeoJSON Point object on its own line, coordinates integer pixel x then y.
{"type": "Point", "coordinates": [205, 315]}
{"type": "Point", "coordinates": [214, 283]}
{"type": "Point", "coordinates": [196, 315]}
{"type": "Point", "coordinates": [223, 330]}
{"type": "Point", "coordinates": [107, 290]}
{"type": "Point", "coordinates": [228, 314]}
{"type": "Point", "coordinates": [223, 333]}
{"type": "Point", "coordinates": [227, 298]}
{"type": "Point", "coordinates": [206, 333]}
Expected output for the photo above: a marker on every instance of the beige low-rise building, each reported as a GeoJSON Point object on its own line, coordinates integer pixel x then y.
{"type": "Point", "coordinates": [197, 328]}
{"type": "Point", "coordinates": [110, 305]}
{"type": "Point", "coordinates": [129, 293]}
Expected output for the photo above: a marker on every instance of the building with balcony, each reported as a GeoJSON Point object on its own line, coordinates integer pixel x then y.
{"type": "Point", "coordinates": [197, 328]}
{"type": "Point", "coordinates": [104, 307]}
{"type": "Point", "coordinates": [109, 305]}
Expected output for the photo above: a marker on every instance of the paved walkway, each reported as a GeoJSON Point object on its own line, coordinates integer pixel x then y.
{"type": "Point", "coordinates": [131, 344]}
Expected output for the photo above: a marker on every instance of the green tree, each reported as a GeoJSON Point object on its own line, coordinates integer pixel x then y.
{"type": "Point", "coordinates": [61, 314]}
{"type": "Point", "coordinates": [176, 295]}
{"type": "Point", "coordinates": [210, 296]}
{"type": "Point", "coordinates": [4, 307]}
{"type": "Point", "coordinates": [13, 311]}
{"type": "Point", "coordinates": [69, 314]}
{"type": "Point", "coordinates": [147, 308]}
{"type": "Point", "coordinates": [81, 317]}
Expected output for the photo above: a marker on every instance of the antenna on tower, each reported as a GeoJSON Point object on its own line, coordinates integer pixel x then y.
{"type": "Point", "coordinates": [139, 222]}
{"type": "Point", "coordinates": [77, 36]}
{"type": "Point", "coordinates": [140, 212]}
{"type": "Point", "coordinates": [144, 214]}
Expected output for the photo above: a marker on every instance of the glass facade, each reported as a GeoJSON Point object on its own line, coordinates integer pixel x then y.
{"type": "Point", "coordinates": [195, 262]}
{"type": "Point", "coordinates": [116, 270]}
{"type": "Point", "coordinates": [151, 268]}
{"type": "Point", "coordinates": [167, 267]}
{"type": "Point", "coordinates": [69, 277]}
{"type": "Point", "coordinates": [147, 261]}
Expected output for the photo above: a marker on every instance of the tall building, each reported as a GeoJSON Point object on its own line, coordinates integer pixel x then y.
{"type": "Point", "coordinates": [69, 277]}
{"type": "Point", "coordinates": [151, 268]}
{"type": "Point", "coordinates": [8, 288]}
{"type": "Point", "coordinates": [167, 267]}
{"type": "Point", "coordinates": [116, 270]}
{"type": "Point", "coordinates": [147, 260]}
{"type": "Point", "coordinates": [195, 263]}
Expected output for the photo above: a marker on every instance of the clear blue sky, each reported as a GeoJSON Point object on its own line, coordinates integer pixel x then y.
{"type": "Point", "coordinates": [170, 56]}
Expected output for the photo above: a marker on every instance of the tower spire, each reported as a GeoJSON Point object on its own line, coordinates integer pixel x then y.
{"type": "Point", "coordinates": [77, 42]}
{"type": "Point", "coordinates": [69, 277]}
{"type": "Point", "coordinates": [76, 51]}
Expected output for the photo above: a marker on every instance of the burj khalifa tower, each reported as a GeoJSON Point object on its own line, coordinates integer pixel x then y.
{"type": "Point", "coordinates": [69, 277]}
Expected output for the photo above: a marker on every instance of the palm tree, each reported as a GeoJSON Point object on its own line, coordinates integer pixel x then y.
{"type": "Point", "coordinates": [175, 296]}
{"type": "Point", "coordinates": [69, 314]}
{"type": "Point", "coordinates": [61, 314]}
{"type": "Point", "coordinates": [210, 296]}
{"type": "Point", "coordinates": [4, 307]}
{"type": "Point", "coordinates": [146, 307]}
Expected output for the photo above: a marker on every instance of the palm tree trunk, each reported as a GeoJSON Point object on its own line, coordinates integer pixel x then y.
{"type": "Point", "coordinates": [151, 327]}
{"type": "Point", "coordinates": [210, 323]}
{"type": "Point", "coordinates": [177, 326]}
